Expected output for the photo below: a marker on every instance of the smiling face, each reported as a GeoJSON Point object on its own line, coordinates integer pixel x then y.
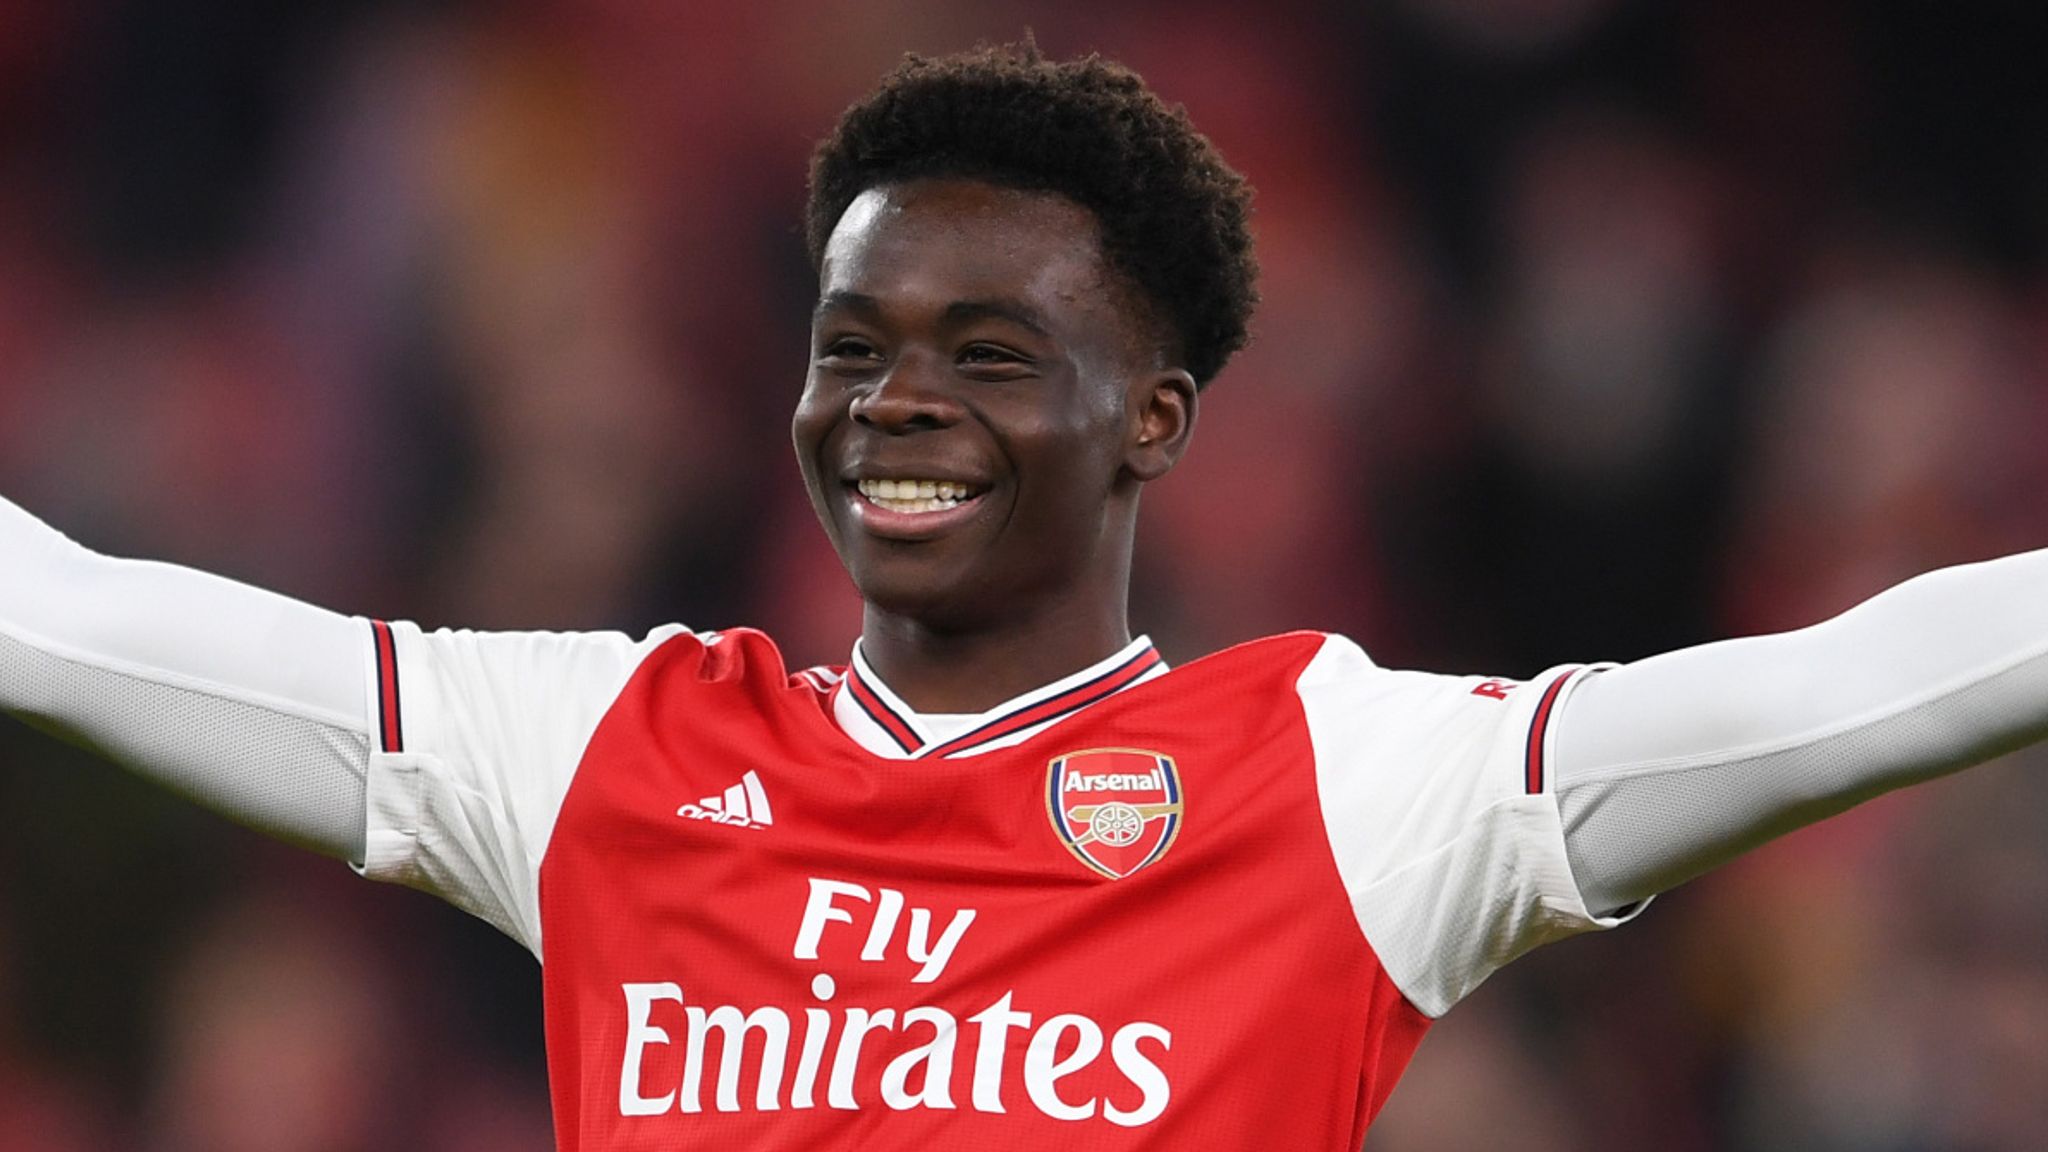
{"type": "Point", "coordinates": [984, 401]}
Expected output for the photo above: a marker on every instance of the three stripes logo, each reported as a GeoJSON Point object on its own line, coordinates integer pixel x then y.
{"type": "Point", "coordinates": [744, 805]}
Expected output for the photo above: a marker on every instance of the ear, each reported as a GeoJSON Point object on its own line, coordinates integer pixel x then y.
{"type": "Point", "coordinates": [1162, 423]}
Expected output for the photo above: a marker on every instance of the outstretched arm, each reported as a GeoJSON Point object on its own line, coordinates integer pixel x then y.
{"type": "Point", "coordinates": [1672, 765]}
{"type": "Point", "coordinates": [250, 703]}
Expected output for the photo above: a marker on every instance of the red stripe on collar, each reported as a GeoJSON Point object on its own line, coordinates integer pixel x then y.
{"type": "Point", "coordinates": [878, 710]}
{"type": "Point", "coordinates": [1072, 700]}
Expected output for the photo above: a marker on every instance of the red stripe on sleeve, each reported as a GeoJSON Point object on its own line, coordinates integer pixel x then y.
{"type": "Point", "coordinates": [389, 727]}
{"type": "Point", "coordinates": [1539, 730]}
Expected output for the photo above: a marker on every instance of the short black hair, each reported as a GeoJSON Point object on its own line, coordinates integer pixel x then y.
{"type": "Point", "coordinates": [1174, 216]}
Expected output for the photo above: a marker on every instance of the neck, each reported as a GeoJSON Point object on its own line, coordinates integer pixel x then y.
{"type": "Point", "coordinates": [974, 669]}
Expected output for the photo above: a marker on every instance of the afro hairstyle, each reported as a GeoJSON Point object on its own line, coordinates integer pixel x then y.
{"type": "Point", "coordinates": [1173, 215]}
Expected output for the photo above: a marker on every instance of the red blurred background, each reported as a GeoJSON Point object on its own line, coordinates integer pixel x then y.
{"type": "Point", "coordinates": [1592, 328]}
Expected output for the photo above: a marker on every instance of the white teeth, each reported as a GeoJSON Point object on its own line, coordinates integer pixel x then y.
{"type": "Point", "coordinates": [915, 495]}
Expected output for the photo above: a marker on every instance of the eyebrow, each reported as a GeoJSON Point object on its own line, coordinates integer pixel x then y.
{"type": "Point", "coordinates": [960, 311]}
{"type": "Point", "coordinates": [856, 302]}
{"type": "Point", "coordinates": [1016, 312]}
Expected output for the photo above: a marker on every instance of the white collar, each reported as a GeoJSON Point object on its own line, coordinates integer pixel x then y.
{"type": "Point", "coordinates": [881, 722]}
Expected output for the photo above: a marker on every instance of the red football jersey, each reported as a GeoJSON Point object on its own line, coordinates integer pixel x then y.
{"type": "Point", "coordinates": [1214, 907]}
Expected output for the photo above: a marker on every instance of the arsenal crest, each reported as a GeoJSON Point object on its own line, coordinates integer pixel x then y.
{"type": "Point", "coordinates": [1116, 809]}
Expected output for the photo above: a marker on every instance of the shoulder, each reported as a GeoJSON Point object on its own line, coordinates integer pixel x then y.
{"type": "Point", "coordinates": [1318, 664]}
{"type": "Point", "coordinates": [1314, 663]}
{"type": "Point", "coordinates": [743, 659]}
{"type": "Point", "coordinates": [1280, 658]}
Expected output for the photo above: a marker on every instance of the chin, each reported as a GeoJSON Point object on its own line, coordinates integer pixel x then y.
{"type": "Point", "coordinates": [934, 599]}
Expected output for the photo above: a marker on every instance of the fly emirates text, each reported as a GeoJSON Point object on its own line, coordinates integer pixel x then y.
{"type": "Point", "coordinates": [828, 1044]}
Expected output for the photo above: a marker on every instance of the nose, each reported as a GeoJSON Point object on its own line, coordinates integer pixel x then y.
{"type": "Point", "coordinates": [911, 396]}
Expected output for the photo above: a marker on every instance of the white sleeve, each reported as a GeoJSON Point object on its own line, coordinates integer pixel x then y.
{"type": "Point", "coordinates": [477, 737]}
{"type": "Point", "coordinates": [1439, 804]}
{"type": "Point", "coordinates": [1672, 765]}
{"type": "Point", "coordinates": [248, 702]}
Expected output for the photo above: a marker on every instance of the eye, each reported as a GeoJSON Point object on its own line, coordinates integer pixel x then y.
{"type": "Point", "coordinates": [993, 359]}
{"type": "Point", "coordinates": [847, 352]}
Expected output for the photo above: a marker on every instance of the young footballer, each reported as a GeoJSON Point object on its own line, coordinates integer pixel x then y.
{"type": "Point", "coordinates": [1005, 879]}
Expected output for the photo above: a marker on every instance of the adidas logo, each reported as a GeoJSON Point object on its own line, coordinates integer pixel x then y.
{"type": "Point", "coordinates": [744, 805]}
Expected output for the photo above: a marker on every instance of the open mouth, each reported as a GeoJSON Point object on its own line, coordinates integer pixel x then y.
{"type": "Point", "coordinates": [917, 497]}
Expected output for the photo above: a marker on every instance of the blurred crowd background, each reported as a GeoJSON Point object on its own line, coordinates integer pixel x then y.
{"type": "Point", "coordinates": [1591, 328]}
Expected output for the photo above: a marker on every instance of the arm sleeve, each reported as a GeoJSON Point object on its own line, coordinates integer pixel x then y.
{"type": "Point", "coordinates": [477, 738]}
{"type": "Point", "coordinates": [1672, 765]}
{"type": "Point", "coordinates": [1438, 800]}
{"type": "Point", "coordinates": [248, 702]}
{"type": "Point", "coordinates": [437, 760]}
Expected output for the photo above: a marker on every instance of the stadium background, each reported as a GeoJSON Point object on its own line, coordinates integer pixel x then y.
{"type": "Point", "coordinates": [1592, 328]}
